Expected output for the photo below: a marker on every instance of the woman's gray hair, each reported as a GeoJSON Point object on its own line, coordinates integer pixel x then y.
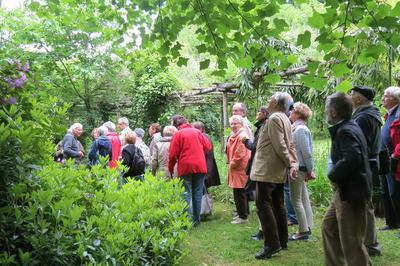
{"type": "Point", "coordinates": [110, 126]}
{"type": "Point", "coordinates": [124, 120]}
{"type": "Point", "coordinates": [74, 126]}
{"type": "Point", "coordinates": [139, 132]}
{"type": "Point", "coordinates": [103, 131]}
{"type": "Point", "coordinates": [394, 92]}
{"type": "Point", "coordinates": [169, 131]}
{"type": "Point", "coordinates": [283, 100]}
{"type": "Point", "coordinates": [236, 118]}
{"type": "Point", "coordinates": [242, 106]}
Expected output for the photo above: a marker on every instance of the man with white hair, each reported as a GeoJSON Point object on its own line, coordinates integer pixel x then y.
{"type": "Point", "coordinates": [390, 135]}
{"type": "Point", "coordinates": [275, 159]}
{"type": "Point", "coordinates": [115, 143]}
{"type": "Point", "coordinates": [70, 143]}
{"type": "Point", "coordinates": [123, 124]}
{"type": "Point", "coordinates": [240, 109]}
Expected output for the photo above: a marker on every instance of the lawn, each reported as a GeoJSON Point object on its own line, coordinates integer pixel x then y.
{"type": "Point", "coordinates": [218, 242]}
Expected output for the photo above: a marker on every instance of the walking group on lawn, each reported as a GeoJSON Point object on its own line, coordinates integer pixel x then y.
{"type": "Point", "coordinates": [273, 165]}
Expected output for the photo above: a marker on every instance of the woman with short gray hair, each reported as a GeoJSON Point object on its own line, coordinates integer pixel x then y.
{"type": "Point", "coordinates": [101, 146]}
{"type": "Point", "coordinates": [298, 187]}
{"type": "Point", "coordinates": [238, 156]}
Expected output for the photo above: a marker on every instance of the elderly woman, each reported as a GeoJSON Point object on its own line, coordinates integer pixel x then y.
{"type": "Point", "coordinates": [132, 157]}
{"type": "Point", "coordinates": [238, 156]}
{"type": "Point", "coordinates": [159, 158]}
{"type": "Point", "coordinates": [298, 188]}
{"type": "Point", "coordinates": [101, 146]}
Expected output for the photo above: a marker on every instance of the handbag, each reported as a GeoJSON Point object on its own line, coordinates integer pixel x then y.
{"type": "Point", "coordinates": [206, 204]}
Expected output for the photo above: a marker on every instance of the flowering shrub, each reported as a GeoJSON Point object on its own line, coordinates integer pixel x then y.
{"type": "Point", "coordinates": [12, 79]}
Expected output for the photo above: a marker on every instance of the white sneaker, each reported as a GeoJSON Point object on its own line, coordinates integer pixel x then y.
{"type": "Point", "coordinates": [235, 217]}
{"type": "Point", "coordinates": [239, 221]}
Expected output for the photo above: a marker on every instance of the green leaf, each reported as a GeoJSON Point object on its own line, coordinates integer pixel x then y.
{"type": "Point", "coordinates": [204, 64]}
{"type": "Point", "coordinates": [201, 48]}
{"type": "Point", "coordinates": [248, 5]}
{"type": "Point", "coordinates": [246, 62]}
{"type": "Point", "coordinates": [272, 78]}
{"type": "Point", "coordinates": [339, 70]}
{"type": "Point", "coordinates": [182, 61]}
{"type": "Point", "coordinates": [345, 86]}
{"type": "Point", "coordinates": [304, 39]}
{"type": "Point", "coordinates": [314, 82]}
{"type": "Point", "coordinates": [292, 59]}
{"type": "Point", "coordinates": [280, 24]}
{"type": "Point", "coordinates": [316, 20]}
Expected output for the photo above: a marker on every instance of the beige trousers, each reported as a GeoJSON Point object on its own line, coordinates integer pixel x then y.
{"type": "Point", "coordinates": [301, 202]}
{"type": "Point", "coordinates": [343, 231]}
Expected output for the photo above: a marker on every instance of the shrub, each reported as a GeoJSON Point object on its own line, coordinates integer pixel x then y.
{"type": "Point", "coordinates": [80, 216]}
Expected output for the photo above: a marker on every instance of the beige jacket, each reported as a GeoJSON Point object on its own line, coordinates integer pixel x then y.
{"type": "Point", "coordinates": [275, 151]}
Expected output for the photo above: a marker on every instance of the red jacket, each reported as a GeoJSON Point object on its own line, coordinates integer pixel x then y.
{"type": "Point", "coordinates": [395, 136]}
{"type": "Point", "coordinates": [188, 147]}
{"type": "Point", "coordinates": [115, 148]}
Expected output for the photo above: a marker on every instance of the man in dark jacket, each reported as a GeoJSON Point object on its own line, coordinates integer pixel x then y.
{"type": "Point", "coordinates": [368, 117]}
{"type": "Point", "coordinates": [343, 227]}
{"type": "Point", "coordinates": [71, 144]}
{"type": "Point", "coordinates": [188, 147]}
{"type": "Point", "coordinates": [262, 116]}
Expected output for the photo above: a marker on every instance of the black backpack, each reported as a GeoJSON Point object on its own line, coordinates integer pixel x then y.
{"type": "Point", "coordinates": [138, 164]}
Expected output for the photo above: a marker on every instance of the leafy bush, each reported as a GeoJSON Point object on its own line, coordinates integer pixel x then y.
{"type": "Point", "coordinates": [80, 216]}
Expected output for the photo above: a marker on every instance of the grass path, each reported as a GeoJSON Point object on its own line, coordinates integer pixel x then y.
{"type": "Point", "coordinates": [218, 242]}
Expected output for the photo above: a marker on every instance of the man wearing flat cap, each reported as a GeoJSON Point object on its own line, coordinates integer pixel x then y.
{"type": "Point", "coordinates": [368, 117]}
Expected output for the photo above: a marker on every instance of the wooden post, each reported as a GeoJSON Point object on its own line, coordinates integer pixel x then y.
{"type": "Point", "coordinates": [224, 118]}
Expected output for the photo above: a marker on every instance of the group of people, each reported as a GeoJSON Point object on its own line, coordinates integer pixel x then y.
{"type": "Point", "coordinates": [182, 150]}
{"type": "Point", "coordinates": [277, 160]}
{"type": "Point", "coordinates": [364, 149]}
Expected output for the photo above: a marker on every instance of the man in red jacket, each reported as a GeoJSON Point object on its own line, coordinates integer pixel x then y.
{"type": "Point", "coordinates": [188, 147]}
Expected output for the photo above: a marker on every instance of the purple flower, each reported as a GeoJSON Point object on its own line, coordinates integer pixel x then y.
{"type": "Point", "coordinates": [26, 67]}
{"type": "Point", "coordinates": [18, 83]}
{"type": "Point", "coordinates": [11, 100]}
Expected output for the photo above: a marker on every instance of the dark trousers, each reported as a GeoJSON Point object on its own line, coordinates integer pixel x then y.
{"type": "Point", "coordinates": [241, 202]}
{"type": "Point", "coordinates": [391, 199]}
{"type": "Point", "coordinates": [272, 213]}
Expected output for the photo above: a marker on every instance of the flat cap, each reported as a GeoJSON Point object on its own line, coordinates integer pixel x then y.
{"type": "Point", "coordinates": [365, 91]}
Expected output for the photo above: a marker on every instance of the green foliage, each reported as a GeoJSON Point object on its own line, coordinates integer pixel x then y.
{"type": "Point", "coordinates": [151, 90]}
{"type": "Point", "coordinates": [81, 216]}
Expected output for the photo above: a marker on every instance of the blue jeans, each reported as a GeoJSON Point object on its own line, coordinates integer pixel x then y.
{"type": "Point", "coordinates": [291, 215]}
{"type": "Point", "coordinates": [194, 185]}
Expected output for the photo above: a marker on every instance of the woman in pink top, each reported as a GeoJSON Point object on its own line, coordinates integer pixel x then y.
{"type": "Point", "coordinates": [238, 156]}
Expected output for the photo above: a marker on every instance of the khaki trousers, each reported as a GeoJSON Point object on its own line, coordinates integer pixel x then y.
{"type": "Point", "coordinates": [343, 231]}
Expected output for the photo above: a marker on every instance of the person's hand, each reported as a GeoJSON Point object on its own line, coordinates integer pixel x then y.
{"type": "Point", "coordinates": [293, 173]}
{"type": "Point", "coordinates": [310, 176]}
{"type": "Point", "coordinates": [81, 154]}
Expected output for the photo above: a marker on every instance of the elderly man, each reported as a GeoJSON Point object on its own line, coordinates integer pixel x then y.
{"type": "Point", "coordinates": [391, 146]}
{"type": "Point", "coordinates": [115, 143]}
{"type": "Point", "coordinates": [240, 109]}
{"type": "Point", "coordinates": [343, 227]}
{"type": "Point", "coordinates": [274, 160]}
{"type": "Point", "coordinates": [188, 148]}
{"type": "Point", "coordinates": [71, 145]}
{"type": "Point", "coordinates": [368, 118]}
{"type": "Point", "coordinates": [123, 124]}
